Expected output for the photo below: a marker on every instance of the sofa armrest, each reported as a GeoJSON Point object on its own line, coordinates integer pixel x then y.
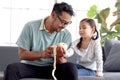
{"type": "Point", "coordinates": [8, 54]}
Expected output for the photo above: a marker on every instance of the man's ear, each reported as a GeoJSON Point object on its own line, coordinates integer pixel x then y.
{"type": "Point", "coordinates": [53, 14]}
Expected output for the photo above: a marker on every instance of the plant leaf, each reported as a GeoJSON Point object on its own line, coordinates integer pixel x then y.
{"type": "Point", "coordinates": [117, 21]}
{"type": "Point", "coordinates": [92, 12]}
{"type": "Point", "coordinates": [103, 30]}
{"type": "Point", "coordinates": [98, 18]}
{"type": "Point", "coordinates": [117, 28]}
{"type": "Point", "coordinates": [102, 16]}
{"type": "Point", "coordinates": [117, 4]}
{"type": "Point", "coordinates": [105, 13]}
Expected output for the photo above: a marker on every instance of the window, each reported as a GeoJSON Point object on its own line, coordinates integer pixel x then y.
{"type": "Point", "coordinates": [15, 13]}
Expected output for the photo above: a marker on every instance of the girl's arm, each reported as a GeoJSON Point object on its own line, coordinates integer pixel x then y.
{"type": "Point", "coordinates": [69, 52]}
{"type": "Point", "coordinates": [99, 58]}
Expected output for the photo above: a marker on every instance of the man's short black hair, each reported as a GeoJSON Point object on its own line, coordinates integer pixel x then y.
{"type": "Point", "coordinates": [63, 7]}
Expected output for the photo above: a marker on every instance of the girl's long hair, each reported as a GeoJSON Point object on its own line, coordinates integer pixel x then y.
{"type": "Point", "coordinates": [91, 22]}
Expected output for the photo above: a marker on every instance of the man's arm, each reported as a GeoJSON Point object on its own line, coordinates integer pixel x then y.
{"type": "Point", "coordinates": [29, 55]}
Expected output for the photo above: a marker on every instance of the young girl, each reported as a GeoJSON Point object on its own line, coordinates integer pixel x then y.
{"type": "Point", "coordinates": [87, 50]}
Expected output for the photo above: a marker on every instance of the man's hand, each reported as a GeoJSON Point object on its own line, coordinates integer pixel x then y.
{"type": "Point", "coordinates": [48, 52]}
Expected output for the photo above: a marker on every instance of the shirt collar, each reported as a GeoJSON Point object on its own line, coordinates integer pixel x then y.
{"type": "Point", "coordinates": [42, 26]}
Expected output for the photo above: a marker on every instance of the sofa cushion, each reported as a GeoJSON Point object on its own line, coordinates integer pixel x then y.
{"type": "Point", "coordinates": [107, 76]}
{"type": "Point", "coordinates": [112, 62]}
{"type": "Point", "coordinates": [34, 79]}
{"type": "Point", "coordinates": [108, 45]}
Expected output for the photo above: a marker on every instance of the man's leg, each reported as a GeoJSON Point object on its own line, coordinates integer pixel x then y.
{"type": "Point", "coordinates": [66, 71]}
{"type": "Point", "coordinates": [18, 71]}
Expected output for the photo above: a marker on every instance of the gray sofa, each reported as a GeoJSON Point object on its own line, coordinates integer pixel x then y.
{"type": "Point", "coordinates": [111, 57]}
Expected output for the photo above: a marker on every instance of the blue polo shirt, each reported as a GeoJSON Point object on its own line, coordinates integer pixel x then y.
{"type": "Point", "coordinates": [34, 37]}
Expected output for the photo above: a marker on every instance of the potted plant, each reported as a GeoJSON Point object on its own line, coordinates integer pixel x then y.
{"type": "Point", "coordinates": [106, 32]}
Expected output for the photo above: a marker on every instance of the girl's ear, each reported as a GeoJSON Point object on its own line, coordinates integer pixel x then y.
{"type": "Point", "coordinates": [93, 30]}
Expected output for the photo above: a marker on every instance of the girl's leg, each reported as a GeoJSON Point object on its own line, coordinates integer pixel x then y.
{"type": "Point", "coordinates": [82, 71]}
{"type": "Point", "coordinates": [85, 72]}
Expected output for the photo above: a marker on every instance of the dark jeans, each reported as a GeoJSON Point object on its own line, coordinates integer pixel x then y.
{"type": "Point", "coordinates": [16, 71]}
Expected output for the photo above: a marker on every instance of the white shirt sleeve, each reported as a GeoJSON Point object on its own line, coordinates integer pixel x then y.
{"type": "Point", "coordinates": [98, 54]}
{"type": "Point", "coordinates": [69, 52]}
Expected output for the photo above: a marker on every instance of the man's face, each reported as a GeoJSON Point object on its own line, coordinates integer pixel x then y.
{"type": "Point", "coordinates": [61, 21]}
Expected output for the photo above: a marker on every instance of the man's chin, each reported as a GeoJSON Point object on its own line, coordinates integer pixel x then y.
{"type": "Point", "coordinates": [58, 30]}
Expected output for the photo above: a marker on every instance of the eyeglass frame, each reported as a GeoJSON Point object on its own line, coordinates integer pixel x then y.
{"type": "Point", "coordinates": [63, 21]}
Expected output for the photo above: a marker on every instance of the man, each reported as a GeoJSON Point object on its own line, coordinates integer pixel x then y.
{"type": "Point", "coordinates": [35, 49]}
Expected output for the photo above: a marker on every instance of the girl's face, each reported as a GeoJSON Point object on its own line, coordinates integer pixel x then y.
{"type": "Point", "coordinates": [85, 30]}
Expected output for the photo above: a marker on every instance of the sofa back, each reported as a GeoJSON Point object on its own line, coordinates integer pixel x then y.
{"type": "Point", "coordinates": [112, 55]}
{"type": "Point", "coordinates": [8, 54]}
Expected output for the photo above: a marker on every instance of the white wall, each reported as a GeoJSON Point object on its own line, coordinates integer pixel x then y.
{"type": "Point", "coordinates": [15, 13]}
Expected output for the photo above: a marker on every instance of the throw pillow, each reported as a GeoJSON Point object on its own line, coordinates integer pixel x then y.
{"type": "Point", "coordinates": [108, 45]}
{"type": "Point", "coordinates": [112, 62]}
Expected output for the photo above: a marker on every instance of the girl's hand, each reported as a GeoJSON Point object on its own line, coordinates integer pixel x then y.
{"type": "Point", "coordinates": [60, 51]}
{"type": "Point", "coordinates": [99, 74]}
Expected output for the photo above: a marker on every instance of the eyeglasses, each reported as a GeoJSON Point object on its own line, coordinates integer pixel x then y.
{"type": "Point", "coordinates": [63, 21]}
